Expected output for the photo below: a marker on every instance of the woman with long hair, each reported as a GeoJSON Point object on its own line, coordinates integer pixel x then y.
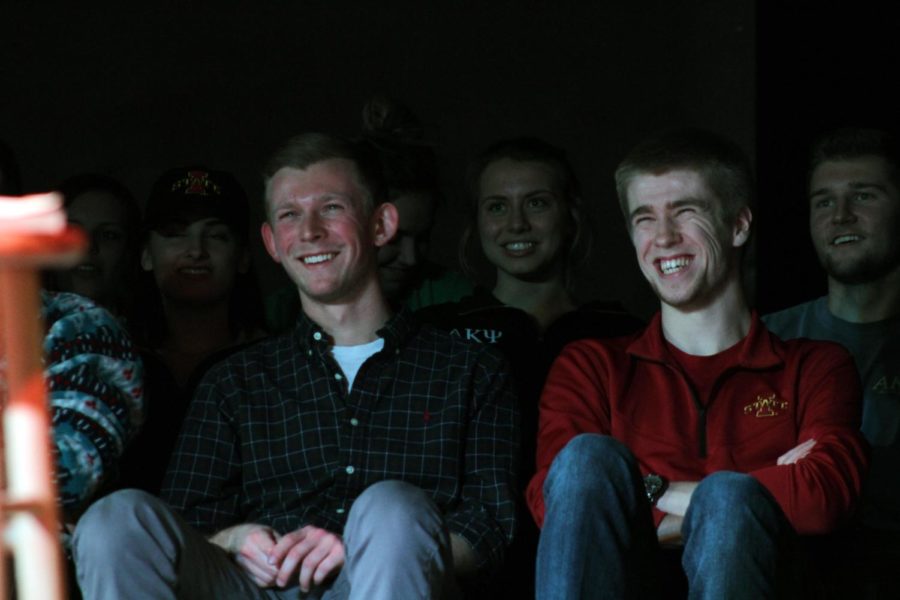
{"type": "Point", "coordinates": [528, 232]}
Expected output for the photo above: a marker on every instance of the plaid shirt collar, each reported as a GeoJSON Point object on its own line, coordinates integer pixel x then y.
{"type": "Point", "coordinates": [312, 339]}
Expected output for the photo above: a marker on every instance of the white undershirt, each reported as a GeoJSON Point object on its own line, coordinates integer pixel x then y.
{"type": "Point", "coordinates": [351, 358]}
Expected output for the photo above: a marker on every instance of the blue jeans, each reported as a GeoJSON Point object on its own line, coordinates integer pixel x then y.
{"type": "Point", "coordinates": [599, 541]}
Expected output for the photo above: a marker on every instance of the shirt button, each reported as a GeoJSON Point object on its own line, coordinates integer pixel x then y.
{"type": "Point", "coordinates": [354, 421]}
{"type": "Point", "coordinates": [340, 511]}
{"type": "Point", "coordinates": [338, 376]}
{"type": "Point", "coordinates": [350, 470]}
{"type": "Point", "coordinates": [317, 336]}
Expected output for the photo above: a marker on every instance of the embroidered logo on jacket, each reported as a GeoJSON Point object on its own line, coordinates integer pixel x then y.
{"type": "Point", "coordinates": [766, 405]}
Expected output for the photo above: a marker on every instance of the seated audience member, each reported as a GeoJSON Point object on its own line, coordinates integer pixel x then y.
{"type": "Point", "coordinates": [111, 218]}
{"type": "Point", "coordinates": [94, 380]}
{"type": "Point", "coordinates": [358, 455]}
{"type": "Point", "coordinates": [705, 428]}
{"type": "Point", "coordinates": [409, 166]}
{"type": "Point", "coordinates": [528, 223]}
{"type": "Point", "coordinates": [199, 302]}
{"type": "Point", "coordinates": [854, 220]}
{"type": "Point", "coordinates": [96, 397]}
{"type": "Point", "coordinates": [196, 248]}
{"type": "Point", "coordinates": [527, 214]}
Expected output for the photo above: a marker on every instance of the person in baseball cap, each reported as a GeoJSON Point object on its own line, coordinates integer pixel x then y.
{"type": "Point", "coordinates": [199, 301]}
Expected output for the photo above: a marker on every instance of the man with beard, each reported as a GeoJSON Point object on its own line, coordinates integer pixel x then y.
{"type": "Point", "coordinates": [704, 429]}
{"type": "Point", "coordinates": [854, 200]}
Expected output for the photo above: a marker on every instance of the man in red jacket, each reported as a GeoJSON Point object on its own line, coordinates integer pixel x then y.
{"type": "Point", "coordinates": [704, 429]}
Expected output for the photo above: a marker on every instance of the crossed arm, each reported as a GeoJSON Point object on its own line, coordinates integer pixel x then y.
{"type": "Point", "coordinates": [677, 497]}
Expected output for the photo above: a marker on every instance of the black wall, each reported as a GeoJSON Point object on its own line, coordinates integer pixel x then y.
{"type": "Point", "coordinates": [820, 66]}
{"type": "Point", "coordinates": [136, 87]}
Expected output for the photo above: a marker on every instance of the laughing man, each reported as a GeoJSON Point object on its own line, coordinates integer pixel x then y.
{"type": "Point", "coordinates": [357, 456]}
{"type": "Point", "coordinates": [705, 429]}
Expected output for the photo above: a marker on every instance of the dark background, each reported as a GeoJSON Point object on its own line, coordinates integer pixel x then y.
{"type": "Point", "coordinates": [132, 89]}
{"type": "Point", "coordinates": [818, 67]}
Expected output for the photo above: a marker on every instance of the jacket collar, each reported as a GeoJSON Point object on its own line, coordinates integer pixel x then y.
{"type": "Point", "coordinates": [761, 349]}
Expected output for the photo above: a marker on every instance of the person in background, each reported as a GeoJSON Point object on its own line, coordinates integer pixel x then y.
{"type": "Point", "coordinates": [704, 429]}
{"type": "Point", "coordinates": [854, 221]}
{"type": "Point", "coordinates": [204, 296]}
{"type": "Point", "coordinates": [111, 218]}
{"type": "Point", "coordinates": [410, 169]}
{"type": "Point", "coordinates": [95, 384]}
{"type": "Point", "coordinates": [527, 220]}
{"type": "Point", "coordinates": [198, 302]}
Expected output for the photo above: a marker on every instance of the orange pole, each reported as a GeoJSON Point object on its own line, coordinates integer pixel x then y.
{"type": "Point", "coordinates": [4, 554]}
{"type": "Point", "coordinates": [32, 527]}
{"type": "Point", "coordinates": [29, 511]}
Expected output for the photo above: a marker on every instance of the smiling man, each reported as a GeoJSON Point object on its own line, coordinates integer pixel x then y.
{"type": "Point", "coordinates": [704, 429]}
{"type": "Point", "coordinates": [854, 221]}
{"type": "Point", "coordinates": [358, 455]}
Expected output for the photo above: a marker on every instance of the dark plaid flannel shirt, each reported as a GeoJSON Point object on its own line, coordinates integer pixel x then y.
{"type": "Point", "coordinates": [273, 437]}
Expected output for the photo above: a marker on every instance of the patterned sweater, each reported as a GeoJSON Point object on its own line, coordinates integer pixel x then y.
{"type": "Point", "coordinates": [95, 380]}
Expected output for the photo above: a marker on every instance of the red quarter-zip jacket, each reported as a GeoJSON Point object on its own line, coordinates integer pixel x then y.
{"type": "Point", "coordinates": [779, 394]}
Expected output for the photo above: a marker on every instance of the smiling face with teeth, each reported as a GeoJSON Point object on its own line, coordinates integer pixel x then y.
{"type": "Point", "coordinates": [688, 254]}
{"type": "Point", "coordinates": [195, 263]}
{"type": "Point", "coordinates": [522, 220]}
{"type": "Point", "coordinates": [320, 231]}
{"type": "Point", "coordinates": [854, 219]}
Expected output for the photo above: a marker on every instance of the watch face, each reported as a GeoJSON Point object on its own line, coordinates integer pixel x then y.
{"type": "Point", "coordinates": [653, 486]}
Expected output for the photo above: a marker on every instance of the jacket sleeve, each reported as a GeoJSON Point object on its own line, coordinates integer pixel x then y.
{"type": "Point", "coordinates": [573, 402]}
{"type": "Point", "coordinates": [95, 382]}
{"type": "Point", "coordinates": [821, 490]}
{"type": "Point", "coordinates": [485, 517]}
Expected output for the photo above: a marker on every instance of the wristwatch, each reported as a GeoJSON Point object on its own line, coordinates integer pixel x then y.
{"type": "Point", "coordinates": [654, 486]}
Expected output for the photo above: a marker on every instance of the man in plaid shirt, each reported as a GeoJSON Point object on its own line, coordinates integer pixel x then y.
{"type": "Point", "coordinates": [358, 455]}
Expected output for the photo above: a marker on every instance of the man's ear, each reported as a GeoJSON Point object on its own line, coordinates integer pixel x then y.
{"type": "Point", "coordinates": [268, 237]}
{"type": "Point", "coordinates": [742, 227]}
{"type": "Point", "coordinates": [385, 221]}
{"type": "Point", "coordinates": [146, 259]}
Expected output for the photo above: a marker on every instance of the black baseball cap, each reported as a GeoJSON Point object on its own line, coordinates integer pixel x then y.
{"type": "Point", "coordinates": [192, 193]}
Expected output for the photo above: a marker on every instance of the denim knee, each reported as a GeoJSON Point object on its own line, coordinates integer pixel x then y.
{"type": "Point", "coordinates": [590, 460]}
{"type": "Point", "coordinates": [723, 492]}
{"type": "Point", "coordinates": [736, 500]}
{"type": "Point", "coordinates": [735, 534]}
